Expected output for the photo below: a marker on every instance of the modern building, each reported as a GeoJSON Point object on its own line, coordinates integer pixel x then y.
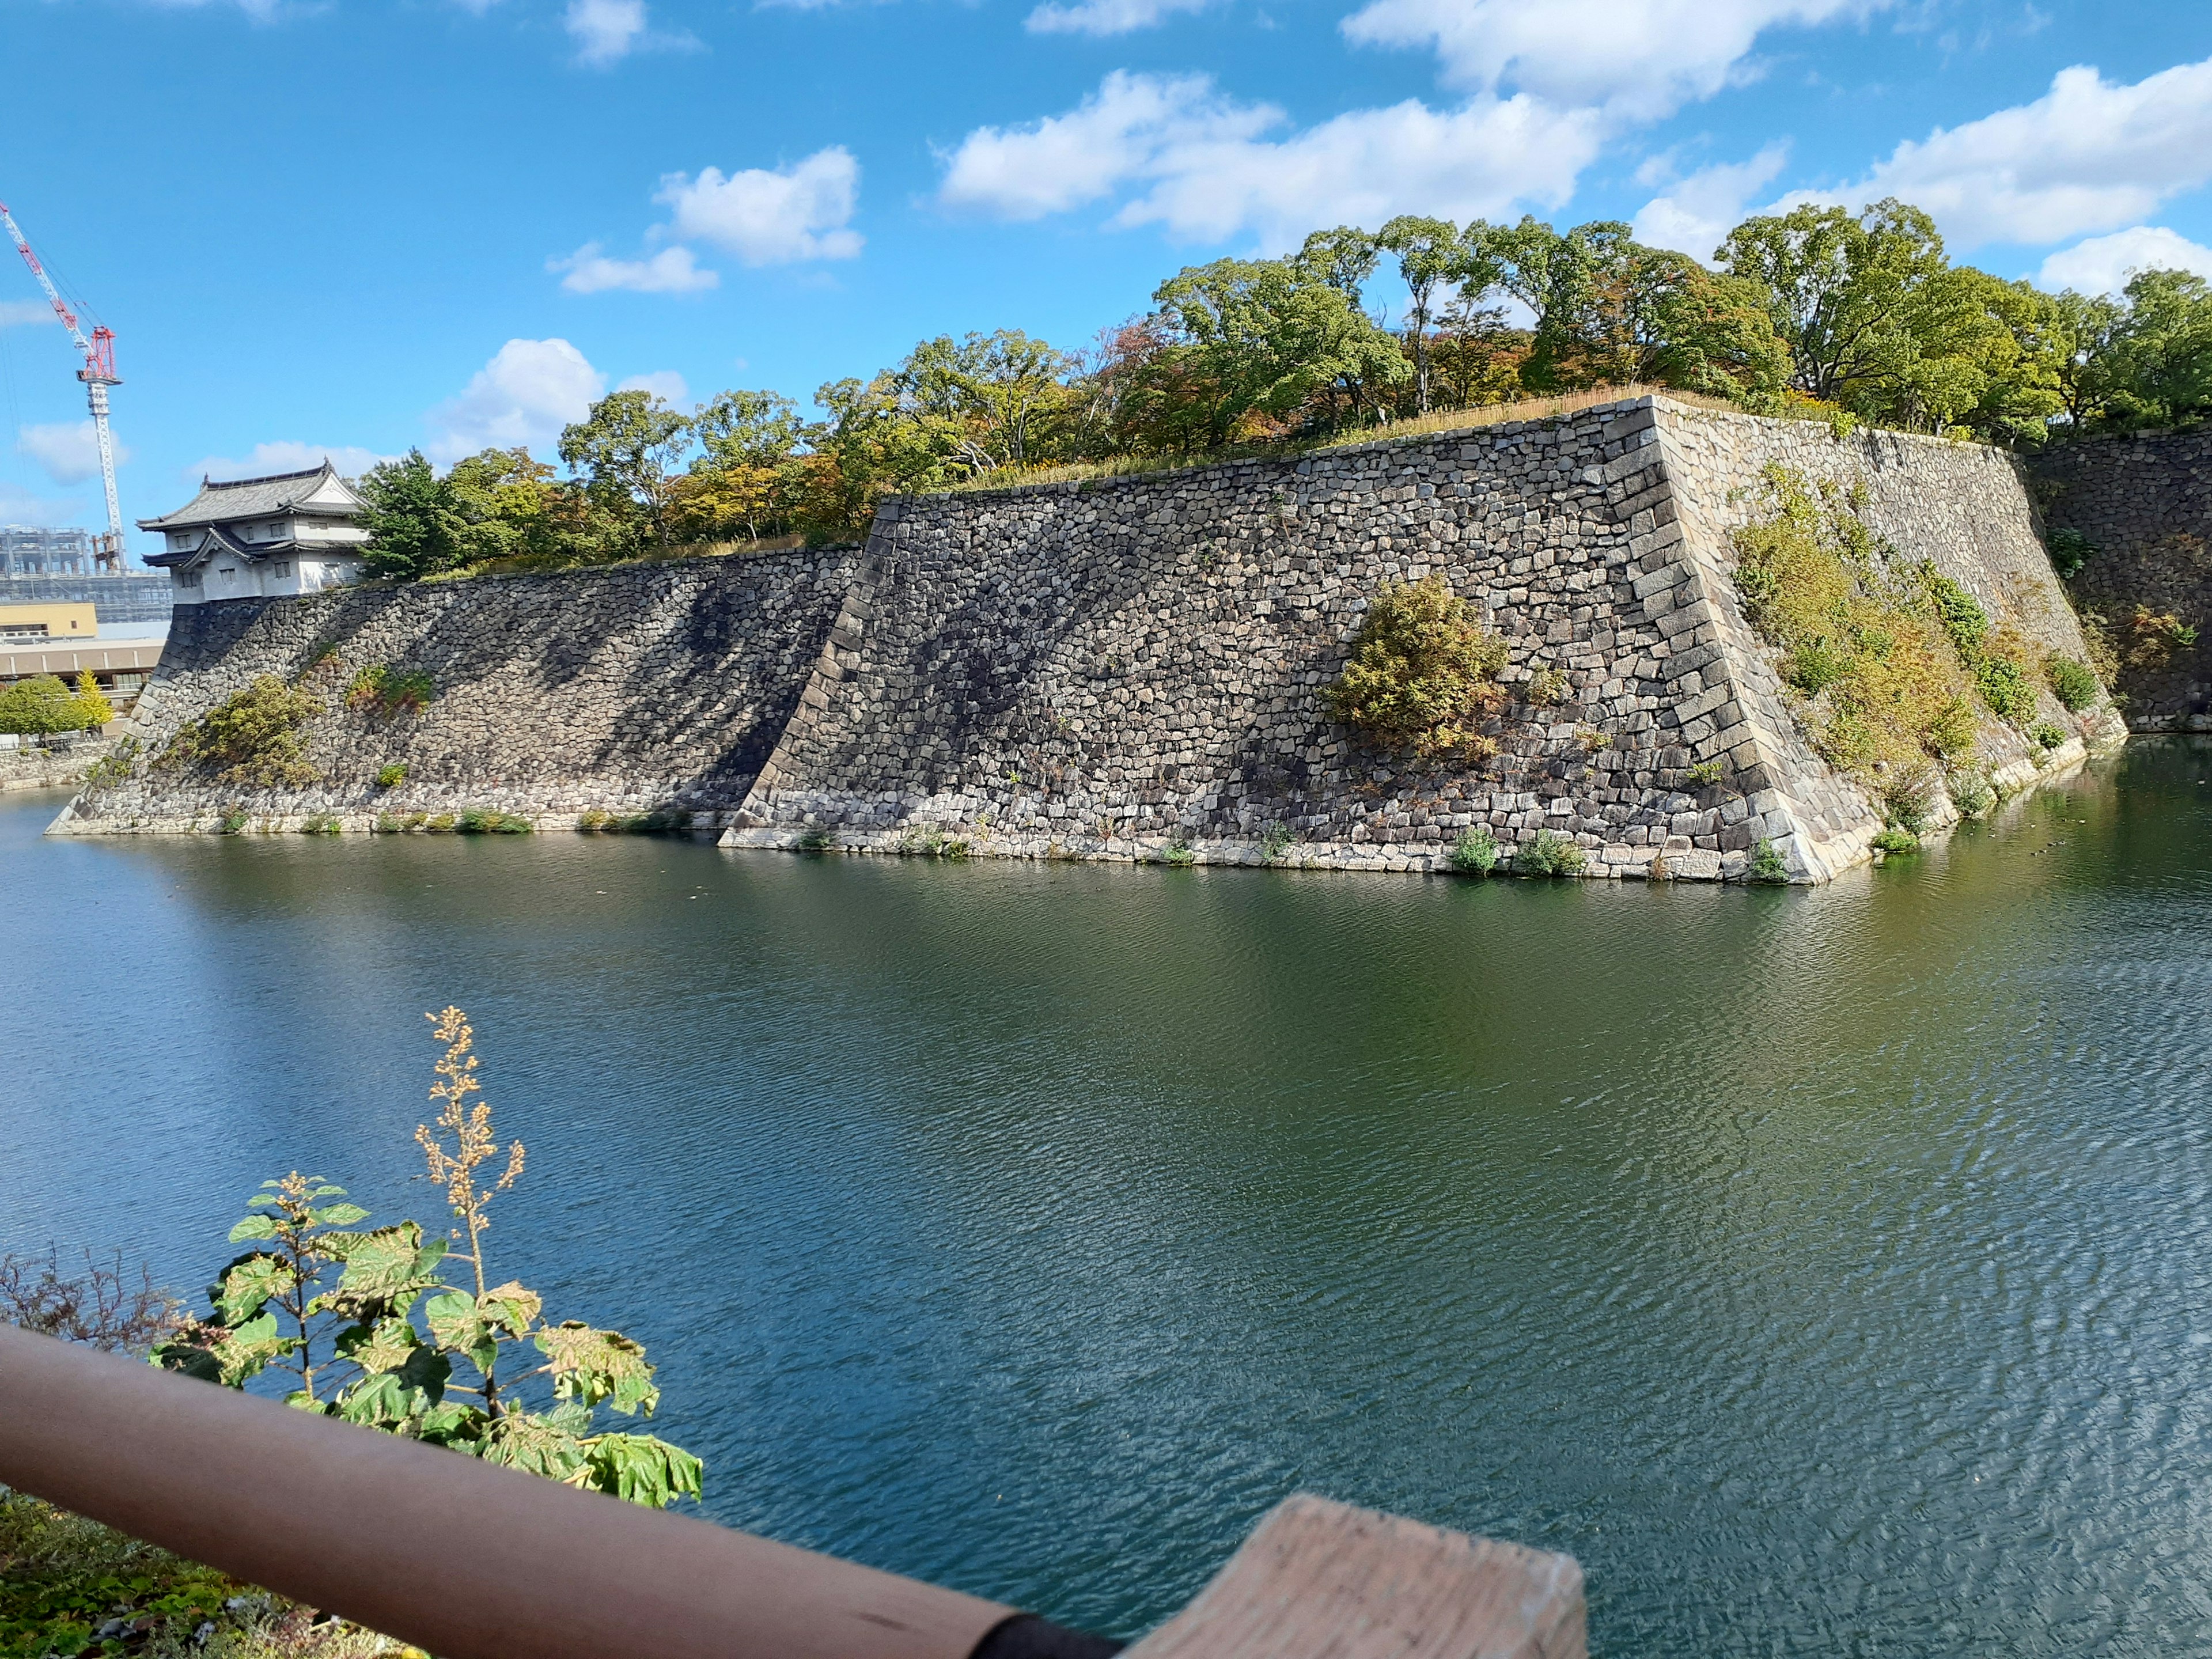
{"type": "Point", "coordinates": [63, 640]}
{"type": "Point", "coordinates": [137, 600]}
{"type": "Point", "coordinates": [48, 624]}
{"type": "Point", "coordinates": [291, 534]}
{"type": "Point", "coordinates": [29, 551]}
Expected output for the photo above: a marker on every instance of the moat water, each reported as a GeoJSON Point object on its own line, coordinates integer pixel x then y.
{"type": "Point", "coordinates": [1826, 1270]}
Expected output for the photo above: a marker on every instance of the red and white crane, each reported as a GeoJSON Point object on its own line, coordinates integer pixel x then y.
{"type": "Point", "coordinates": [98, 374]}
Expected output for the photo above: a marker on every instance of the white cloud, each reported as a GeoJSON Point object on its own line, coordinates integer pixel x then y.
{"type": "Point", "coordinates": [1697, 211]}
{"type": "Point", "coordinates": [18, 313]}
{"type": "Point", "coordinates": [1202, 169]}
{"type": "Point", "coordinates": [69, 451]}
{"type": "Point", "coordinates": [19, 506]}
{"type": "Point", "coordinates": [1104, 17]}
{"type": "Point", "coordinates": [2103, 265]}
{"type": "Point", "coordinates": [672, 271]}
{"type": "Point", "coordinates": [664, 384]}
{"type": "Point", "coordinates": [607, 31]}
{"type": "Point", "coordinates": [1643, 59]}
{"type": "Point", "coordinates": [525, 395]}
{"type": "Point", "coordinates": [2088, 155]}
{"type": "Point", "coordinates": [288, 455]}
{"type": "Point", "coordinates": [770, 217]}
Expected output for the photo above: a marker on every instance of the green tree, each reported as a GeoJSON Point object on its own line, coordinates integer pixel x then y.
{"type": "Point", "coordinates": [505, 503]}
{"type": "Point", "coordinates": [1430, 257]}
{"type": "Point", "coordinates": [1251, 343]}
{"type": "Point", "coordinates": [368, 1324]}
{"type": "Point", "coordinates": [625, 450]}
{"type": "Point", "coordinates": [39, 707]}
{"type": "Point", "coordinates": [2086, 330]}
{"type": "Point", "coordinates": [413, 529]}
{"type": "Point", "coordinates": [1841, 291]}
{"type": "Point", "coordinates": [987, 402]}
{"type": "Point", "coordinates": [2161, 357]}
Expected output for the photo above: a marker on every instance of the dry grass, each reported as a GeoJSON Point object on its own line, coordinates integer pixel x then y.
{"type": "Point", "coordinates": [1420, 425]}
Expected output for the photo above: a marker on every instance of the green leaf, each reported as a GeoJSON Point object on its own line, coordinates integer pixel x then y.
{"type": "Point", "coordinates": [594, 1366]}
{"type": "Point", "coordinates": [385, 1347]}
{"type": "Point", "coordinates": [537, 1446]}
{"type": "Point", "coordinates": [455, 1323]}
{"type": "Point", "coordinates": [397, 1400]}
{"type": "Point", "coordinates": [387, 1269]}
{"type": "Point", "coordinates": [247, 1350]}
{"type": "Point", "coordinates": [254, 1226]}
{"type": "Point", "coordinates": [341, 1215]}
{"type": "Point", "coordinates": [458, 1425]}
{"type": "Point", "coordinates": [324, 1190]}
{"type": "Point", "coordinates": [511, 1308]}
{"type": "Point", "coordinates": [248, 1282]}
{"type": "Point", "coordinates": [638, 1468]}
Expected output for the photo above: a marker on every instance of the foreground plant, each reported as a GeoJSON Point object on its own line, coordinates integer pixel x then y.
{"type": "Point", "coordinates": [376, 1336]}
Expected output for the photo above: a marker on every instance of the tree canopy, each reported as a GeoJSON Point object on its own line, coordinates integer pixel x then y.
{"type": "Point", "coordinates": [1816, 311]}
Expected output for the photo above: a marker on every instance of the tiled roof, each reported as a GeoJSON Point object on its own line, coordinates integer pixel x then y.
{"type": "Point", "coordinates": [219, 540]}
{"type": "Point", "coordinates": [250, 498]}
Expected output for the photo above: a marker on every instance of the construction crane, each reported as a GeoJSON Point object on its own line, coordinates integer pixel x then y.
{"type": "Point", "coordinates": [98, 374]}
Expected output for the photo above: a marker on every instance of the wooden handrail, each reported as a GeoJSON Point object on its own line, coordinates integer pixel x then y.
{"type": "Point", "coordinates": [463, 1559]}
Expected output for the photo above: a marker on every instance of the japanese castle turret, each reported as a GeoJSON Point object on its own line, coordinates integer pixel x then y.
{"type": "Point", "coordinates": [288, 533]}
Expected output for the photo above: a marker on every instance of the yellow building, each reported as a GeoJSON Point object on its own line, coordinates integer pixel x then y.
{"type": "Point", "coordinates": [63, 623]}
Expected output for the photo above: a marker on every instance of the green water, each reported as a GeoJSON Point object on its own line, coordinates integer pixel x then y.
{"type": "Point", "coordinates": [1826, 1270]}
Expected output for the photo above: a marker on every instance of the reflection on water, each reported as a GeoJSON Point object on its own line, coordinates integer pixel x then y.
{"type": "Point", "coordinates": [1825, 1269]}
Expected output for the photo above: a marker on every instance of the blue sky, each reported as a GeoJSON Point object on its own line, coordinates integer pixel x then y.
{"type": "Point", "coordinates": [356, 226]}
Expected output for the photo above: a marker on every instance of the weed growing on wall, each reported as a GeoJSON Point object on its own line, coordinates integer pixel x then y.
{"type": "Point", "coordinates": [251, 737]}
{"type": "Point", "coordinates": [2150, 638]}
{"type": "Point", "coordinates": [1422, 673]}
{"type": "Point", "coordinates": [489, 821]}
{"type": "Point", "coordinates": [1883, 689]}
{"type": "Point", "coordinates": [1972, 792]}
{"type": "Point", "coordinates": [1998, 661]}
{"type": "Point", "coordinates": [390, 690]}
{"type": "Point", "coordinates": [392, 774]}
{"type": "Point", "coordinates": [2047, 735]}
{"type": "Point", "coordinates": [1550, 854]}
{"type": "Point", "coordinates": [2073, 683]}
{"type": "Point", "coordinates": [1767, 867]}
{"type": "Point", "coordinates": [368, 1324]}
{"type": "Point", "coordinates": [2070, 550]}
{"type": "Point", "coordinates": [1274, 842]}
{"type": "Point", "coordinates": [1475, 851]}
{"type": "Point", "coordinates": [1895, 838]}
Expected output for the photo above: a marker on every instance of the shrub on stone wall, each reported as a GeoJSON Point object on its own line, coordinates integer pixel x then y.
{"type": "Point", "coordinates": [2073, 683]}
{"type": "Point", "coordinates": [1475, 851]}
{"type": "Point", "coordinates": [1550, 854]}
{"type": "Point", "coordinates": [388, 690]}
{"type": "Point", "coordinates": [1422, 674]}
{"type": "Point", "coordinates": [2150, 638]}
{"type": "Point", "coordinates": [1885, 688]}
{"type": "Point", "coordinates": [251, 737]}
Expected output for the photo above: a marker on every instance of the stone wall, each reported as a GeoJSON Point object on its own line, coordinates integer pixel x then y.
{"type": "Point", "coordinates": [631, 689]}
{"type": "Point", "coordinates": [1133, 667]}
{"type": "Point", "coordinates": [1119, 668]}
{"type": "Point", "coordinates": [2144, 503]}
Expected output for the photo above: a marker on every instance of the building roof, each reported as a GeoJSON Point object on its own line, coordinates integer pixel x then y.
{"type": "Point", "coordinates": [220, 540]}
{"type": "Point", "coordinates": [18, 661]}
{"type": "Point", "coordinates": [319, 489]}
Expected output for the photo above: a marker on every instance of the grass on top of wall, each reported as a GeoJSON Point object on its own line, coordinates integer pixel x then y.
{"type": "Point", "coordinates": [1437, 420]}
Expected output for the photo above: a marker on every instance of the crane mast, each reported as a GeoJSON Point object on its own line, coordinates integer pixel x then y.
{"type": "Point", "coordinates": [98, 374]}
